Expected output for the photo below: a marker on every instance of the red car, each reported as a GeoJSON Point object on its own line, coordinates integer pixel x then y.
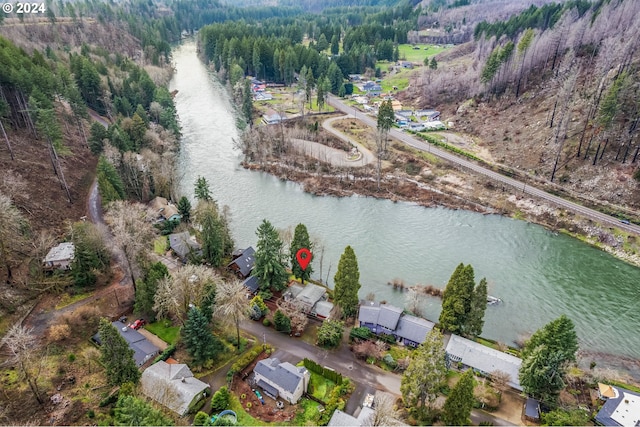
{"type": "Point", "coordinates": [138, 324]}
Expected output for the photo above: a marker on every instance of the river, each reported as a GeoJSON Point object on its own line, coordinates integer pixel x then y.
{"type": "Point", "coordinates": [539, 275]}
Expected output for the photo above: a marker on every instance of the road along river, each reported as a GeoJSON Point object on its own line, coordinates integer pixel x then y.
{"type": "Point", "coordinates": [538, 275]}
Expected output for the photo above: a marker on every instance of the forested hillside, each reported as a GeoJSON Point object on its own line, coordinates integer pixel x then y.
{"type": "Point", "coordinates": [552, 91]}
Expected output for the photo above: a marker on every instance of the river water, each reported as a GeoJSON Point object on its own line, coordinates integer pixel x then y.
{"type": "Point", "coordinates": [538, 275]}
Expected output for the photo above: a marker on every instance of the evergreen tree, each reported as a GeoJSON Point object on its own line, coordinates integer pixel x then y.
{"type": "Point", "coordinates": [330, 333]}
{"type": "Point", "coordinates": [335, 78]}
{"type": "Point", "coordinates": [184, 209]}
{"type": "Point", "coordinates": [202, 191]}
{"type": "Point", "coordinates": [300, 240]}
{"type": "Point", "coordinates": [97, 134]}
{"type": "Point", "coordinates": [335, 44]}
{"type": "Point", "coordinates": [347, 283]}
{"type": "Point", "coordinates": [116, 356]}
{"type": "Point", "coordinates": [269, 260]}
{"type": "Point", "coordinates": [201, 344]}
{"type": "Point", "coordinates": [146, 289]}
{"type": "Point", "coordinates": [131, 411]}
{"type": "Point", "coordinates": [456, 301]}
{"type": "Point", "coordinates": [425, 374]}
{"type": "Point", "coordinates": [90, 254]}
{"type": "Point", "coordinates": [541, 374]}
{"type": "Point", "coordinates": [247, 102]}
{"type": "Point", "coordinates": [281, 322]}
{"type": "Point", "coordinates": [558, 335]}
{"type": "Point", "coordinates": [201, 419]}
{"type": "Point", "coordinates": [109, 181]}
{"type": "Point", "coordinates": [214, 233]}
{"type": "Point", "coordinates": [457, 407]}
{"type": "Point", "coordinates": [433, 64]}
{"type": "Point", "coordinates": [220, 399]}
{"type": "Point", "coordinates": [475, 318]}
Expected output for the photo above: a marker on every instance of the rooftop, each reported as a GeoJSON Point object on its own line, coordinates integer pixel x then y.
{"type": "Point", "coordinates": [62, 252]}
{"type": "Point", "coordinates": [622, 410]}
{"type": "Point", "coordinates": [285, 375]}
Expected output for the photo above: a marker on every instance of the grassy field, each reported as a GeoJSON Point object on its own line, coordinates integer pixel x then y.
{"type": "Point", "coordinates": [70, 299]}
{"type": "Point", "coordinates": [320, 387]}
{"type": "Point", "coordinates": [164, 330]}
{"type": "Point", "coordinates": [160, 245]}
{"type": "Point", "coordinates": [408, 53]}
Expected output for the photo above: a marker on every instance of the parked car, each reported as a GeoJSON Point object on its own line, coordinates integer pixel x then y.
{"type": "Point", "coordinates": [625, 221]}
{"type": "Point", "coordinates": [138, 324]}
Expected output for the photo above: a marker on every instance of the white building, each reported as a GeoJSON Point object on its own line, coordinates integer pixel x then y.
{"type": "Point", "coordinates": [60, 257]}
{"type": "Point", "coordinates": [282, 380]}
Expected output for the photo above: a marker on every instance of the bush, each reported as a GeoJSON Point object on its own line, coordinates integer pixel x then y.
{"type": "Point", "coordinates": [166, 353]}
{"type": "Point", "coordinates": [362, 333]}
{"type": "Point", "coordinates": [245, 360]}
{"type": "Point", "coordinates": [220, 399]}
{"type": "Point", "coordinates": [201, 419]}
{"type": "Point", "coordinates": [390, 361]}
{"type": "Point", "coordinates": [71, 357]}
{"type": "Point", "coordinates": [59, 332]}
{"type": "Point", "coordinates": [636, 175]}
{"type": "Point", "coordinates": [266, 322]}
{"type": "Point", "coordinates": [282, 322]}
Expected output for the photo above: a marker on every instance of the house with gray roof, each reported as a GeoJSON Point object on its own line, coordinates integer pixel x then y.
{"type": "Point", "coordinates": [281, 379]}
{"type": "Point", "coordinates": [483, 359]}
{"type": "Point", "coordinates": [143, 349]}
{"type": "Point", "coordinates": [174, 386]}
{"type": "Point", "coordinates": [309, 296]}
{"type": "Point", "coordinates": [622, 408]}
{"type": "Point", "coordinates": [388, 319]}
{"type": "Point", "coordinates": [183, 244]}
{"type": "Point", "coordinates": [342, 419]}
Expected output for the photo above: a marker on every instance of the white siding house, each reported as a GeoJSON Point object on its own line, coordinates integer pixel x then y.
{"type": "Point", "coordinates": [282, 380]}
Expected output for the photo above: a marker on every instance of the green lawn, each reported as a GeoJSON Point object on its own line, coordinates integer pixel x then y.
{"type": "Point", "coordinates": [164, 330]}
{"type": "Point", "coordinates": [308, 413]}
{"type": "Point", "coordinates": [161, 245]}
{"type": "Point", "coordinates": [408, 53]}
{"type": "Point", "coordinates": [400, 80]}
{"type": "Point", "coordinates": [320, 387]}
{"type": "Point", "coordinates": [70, 299]}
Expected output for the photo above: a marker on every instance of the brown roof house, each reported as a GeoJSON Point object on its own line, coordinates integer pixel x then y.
{"type": "Point", "coordinates": [161, 210]}
{"type": "Point", "coordinates": [173, 386]}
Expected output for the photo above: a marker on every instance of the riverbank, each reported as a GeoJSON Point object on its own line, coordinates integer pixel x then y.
{"type": "Point", "coordinates": [438, 183]}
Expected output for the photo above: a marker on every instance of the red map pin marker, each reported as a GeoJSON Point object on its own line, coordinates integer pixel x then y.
{"type": "Point", "coordinates": [304, 257]}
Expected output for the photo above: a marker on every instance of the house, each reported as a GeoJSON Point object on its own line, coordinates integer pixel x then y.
{"type": "Point", "coordinates": [388, 319]}
{"type": "Point", "coordinates": [143, 349]}
{"type": "Point", "coordinates": [242, 263]}
{"type": "Point", "coordinates": [183, 244]}
{"type": "Point", "coordinates": [483, 359]}
{"type": "Point", "coordinates": [311, 298]}
{"type": "Point", "coordinates": [161, 210]}
{"type": "Point", "coordinates": [417, 127]}
{"type": "Point", "coordinates": [281, 380]}
{"type": "Point", "coordinates": [252, 285]}
{"type": "Point", "coordinates": [60, 257]}
{"type": "Point", "coordinates": [532, 410]}
{"type": "Point", "coordinates": [263, 96]}
{"type": "Point", "coordinates": [272, 117]}
{"type": "Point", "coordinates": [355, 77]}
{"type": "Point", "coordinates": [372, 89]}
{"type": "Point", "coordinates": [434, 125]}
{"type": "Point", "coordinates": [173, 386]}
{"type": "Point", "coordinates": [407, 64]}
{"type": "Point", "coordinates": [342, 419]}
{"type": "Point", "coordinates": [396, 105]}
{"type": "Point", "coordinates": [428, 114]}
{"type": "Point", "coordinates": [622, 408]}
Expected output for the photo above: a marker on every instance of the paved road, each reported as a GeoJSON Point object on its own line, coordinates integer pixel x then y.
{"type": "Point", "coordinates": [520, 186]}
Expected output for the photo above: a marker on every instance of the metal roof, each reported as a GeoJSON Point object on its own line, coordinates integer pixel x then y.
{"type": "Point", "coordinates": [484, 358]}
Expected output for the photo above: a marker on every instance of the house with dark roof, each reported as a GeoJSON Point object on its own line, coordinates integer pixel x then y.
{"type": "Point", "coordinates": [281, 379]}
{"type": "Point", "coordinates": [251, 284]}
{"type": "Point", "coordinates": [622, 408]}
{"type": "Point", "coordinates": [242, 263]}
{"type": "Point", "coordinates": [483, 359]}
{"type": "Point", "coordinates": [372, 89]}
{"type": "Point", "coordinates": [183, 244]}
{"type": "Point", "coordinates": [143, 349]}
{"type": "Point", "coordinates": [173, 386]}
{"type": "Point", "coordinates": [388, 319]}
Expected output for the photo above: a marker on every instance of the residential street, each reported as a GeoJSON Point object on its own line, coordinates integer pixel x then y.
{"type": "Point", "coordinates": [366, 378]}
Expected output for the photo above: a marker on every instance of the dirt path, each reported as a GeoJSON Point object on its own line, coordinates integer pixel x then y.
{"type": "Point", "coordinates": [368, 156]}
{"type": "Point", "coordinates": [333, 156]}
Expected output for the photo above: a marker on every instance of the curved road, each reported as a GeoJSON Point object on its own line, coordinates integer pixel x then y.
{"type": "Point", "coordinates": [519, 185]}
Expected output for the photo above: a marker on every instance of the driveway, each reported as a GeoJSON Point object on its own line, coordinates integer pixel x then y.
{"type": "Point", "coordinates": [333, 156]}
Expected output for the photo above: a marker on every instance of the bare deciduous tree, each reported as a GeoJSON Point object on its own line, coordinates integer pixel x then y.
{"type": "Point", "coordinates": [232, 304]}
{"type": "Point", "coordinates": [500, 380]}
{"type": "Point", "coordinates": [188, 285]}
{"type": "Point", "coordinates": [299, 319]}
{"type": "Point", "coordinates": [11, 222]}
{"type": "Point", "coordinates": [132, 232]}
{"type": "Point", "coordinates": [384, 412]}
{"type": "Point", "coordinates": [23, 352]}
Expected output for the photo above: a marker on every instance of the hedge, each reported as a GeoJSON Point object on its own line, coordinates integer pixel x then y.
{"type": "Point", "coordinates": [435, 141]}
{"type": "Point", "coordinates": [166, 353]}
{"type": "Point", "coordinates": [246, 359]}
{"type": "Point", "coordinates": [329, 374]}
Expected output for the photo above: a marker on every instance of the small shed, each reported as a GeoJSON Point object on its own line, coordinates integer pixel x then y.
{"type": "Point", "coordinates": [60, 257]}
